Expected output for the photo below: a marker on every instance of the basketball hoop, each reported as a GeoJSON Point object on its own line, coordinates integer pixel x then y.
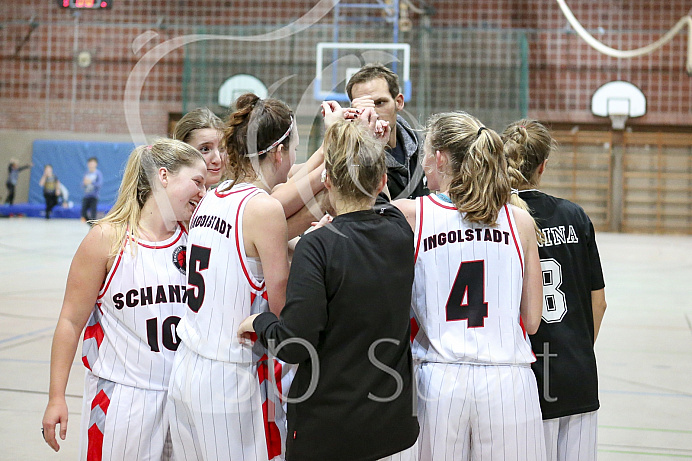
{"type": "Point", "coordinates": [618, 100]}
{"type": "Point", "coordinates": [618, 121]}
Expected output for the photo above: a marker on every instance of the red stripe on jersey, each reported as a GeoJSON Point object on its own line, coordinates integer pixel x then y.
{"type": "Point", "coordinates": [278, 372]}
{"type": "Point", "coordinates": [86, 362]}
{"type": "Point", "coordinates": [101, 400]}
{"type": "Point", "coordinates": [271, 430]}
{"type": "Point", "coordinates": [516, 244]}
{"type": "Point", "coordinates": [523, 330]}
{"type": "Point", "coordinates": [414, 329]}
{"type": "Point", "coordinates": [182, 226]}
{"type": "Point", "coordinates": [95, 447]}
{"type": "Point", "coordinates": [156, 247]}
{"type": "Point", "coordinates": [420, 230]}
{"type": "Point", "coordinates": [237, 245]}
{"type": "Point", "coordinates": [273, 439]}
{"type": "Point", "coordinates": [230, 192]}
{"type": "Point", "coordinates": [94, 331]}
{"type": "Point", "coordinates": [104, 289]}
{"type": "Point", "coordinates": [262, 371]}
{"type": "Point", "coordinates": [440, 204]}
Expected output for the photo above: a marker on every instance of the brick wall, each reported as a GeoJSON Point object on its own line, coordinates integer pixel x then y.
{"type": "Point", "coordinates": [42, 87]}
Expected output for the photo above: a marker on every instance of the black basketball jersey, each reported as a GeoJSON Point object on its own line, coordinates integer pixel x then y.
{"type": "Point", "coordinates": [571, 271]}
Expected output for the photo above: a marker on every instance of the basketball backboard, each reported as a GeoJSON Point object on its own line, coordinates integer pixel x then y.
{"type": "Point", "coordinates": [618, 100]}
{"type": "Point", "coordinates": [335, 63]}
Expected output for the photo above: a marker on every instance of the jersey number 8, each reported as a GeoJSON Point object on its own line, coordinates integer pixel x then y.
{"type": "Point", "coordinates": [554, 302]}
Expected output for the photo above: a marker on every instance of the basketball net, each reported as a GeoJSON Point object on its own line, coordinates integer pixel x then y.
{"type": "Point", "coordinates": [618, 121]}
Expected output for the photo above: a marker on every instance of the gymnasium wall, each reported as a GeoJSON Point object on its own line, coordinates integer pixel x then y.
{"type": "Point", "coordinates": [45, 89]}
{"type": "Point", "coordinates": [498, 59]}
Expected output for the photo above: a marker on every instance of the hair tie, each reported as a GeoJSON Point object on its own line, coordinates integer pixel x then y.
{"type": "Point", "coordinates": [514, 191]}
{"type": "Point", "coordinates": [149, 147]}
{"type": "Point", "coordinates": [480, 130]}
{"type": "Point", "coordinates": [277, 142]}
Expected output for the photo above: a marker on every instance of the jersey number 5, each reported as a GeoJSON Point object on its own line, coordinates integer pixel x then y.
{"type": "Point", "coordinates": [199, 261]}
{"type": "Point", "coordinates": [467, 298]}
{"type": "Point", "coordinates": [554, 303]}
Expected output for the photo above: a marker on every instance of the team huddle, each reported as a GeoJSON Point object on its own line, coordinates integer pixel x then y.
{"type": "Point", "coordinates": [388, 299]}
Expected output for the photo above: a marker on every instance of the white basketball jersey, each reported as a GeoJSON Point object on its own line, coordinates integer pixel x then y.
{"type": "Point", "coordinates": [467, 289]}
{"type": "Point", "coordinates": [130, 337]}
{"type": "Point", "coordinates": [224, 285]}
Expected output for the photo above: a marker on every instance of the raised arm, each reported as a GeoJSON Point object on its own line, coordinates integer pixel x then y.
{"type": "Point", "coordinates": [531, 307]}
{"type": "Point", "coordinates": [265, 235]}
{"type": "Point", "coordinates": [87, 273]}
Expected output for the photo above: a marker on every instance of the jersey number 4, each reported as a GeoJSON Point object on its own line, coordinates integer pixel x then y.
{"type": "Point", "coordinates": [554, 302]}
{"type": "Point", "coordinates": [467, 298]}
{"type": "Point", "coordinates": [199, 261]}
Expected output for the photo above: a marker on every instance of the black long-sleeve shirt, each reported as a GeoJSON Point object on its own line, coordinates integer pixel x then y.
{"type": "Point", "coordinates": [349, 297]}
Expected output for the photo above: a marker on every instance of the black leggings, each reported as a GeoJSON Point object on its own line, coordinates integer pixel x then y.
{"type": "Point", "coordinates": [10, 193]}
{"type": "Point", "coordinates": [51, 201]}
{"type": "Point", "coordinates": [89, 208]}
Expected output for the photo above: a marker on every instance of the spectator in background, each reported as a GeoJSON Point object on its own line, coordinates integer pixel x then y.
{"type": "Point", "coordinates": [93, 179]}
{"type": "Point", "coordinates": [13, 170]}
{"type": "Point", "coordinates": [64, 196]}
{"type": "Point", "coordinates": [51, 188]}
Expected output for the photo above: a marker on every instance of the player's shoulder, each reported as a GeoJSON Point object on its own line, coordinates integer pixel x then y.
{"type": "Point", "coordinates": [264, 204]}
{"type": "Point", "coordinates": [105, 232]}
{"type": "Point", "coordinates": [544, 205]}
{"type": "Point", "coordinates": [568, 206]}
{"type": "Point", "coordinates": [264, 212]}
{"type": "Point", "coordinates": [521, 216]}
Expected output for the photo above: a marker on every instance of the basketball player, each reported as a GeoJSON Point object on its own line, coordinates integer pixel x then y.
{"type": "Point", "coordinates": [476, 294]}
{"type": "Point", "coordinates": [127, 280]}
{"type": "Point", "coordinates": [573, 301]}
{"type": "Point", "coordinates": [238, 265]}
{"type": "Point", "coordinates": [202, 129]}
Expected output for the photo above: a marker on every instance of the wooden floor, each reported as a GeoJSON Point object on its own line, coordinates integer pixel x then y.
{"type": "Point", "coordinates": [644, 350]}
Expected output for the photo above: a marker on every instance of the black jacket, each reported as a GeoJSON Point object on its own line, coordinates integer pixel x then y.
{"type": "Point", "coordinates": [349, 296]}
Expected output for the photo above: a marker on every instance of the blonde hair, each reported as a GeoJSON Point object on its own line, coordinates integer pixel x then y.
{"type": "Point", "coordinates": [354, 160]}
{"type": "Point", "coordinates": [254, 125]}
{"type": "Point", "coordinates": [527, 145]}
{"type": "Point", "coordinates": [136, 188]}
{"type": "Point", "coordinates": [196, 119]}
{"type": "Point", "coordinates": [480, 184]}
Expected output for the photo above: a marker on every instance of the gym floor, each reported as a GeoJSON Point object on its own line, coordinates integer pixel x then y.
{"type": "Point", "coordinates": [644, 349]}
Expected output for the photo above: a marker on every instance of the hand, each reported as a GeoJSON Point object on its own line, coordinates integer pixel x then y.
{"type": "Point", "coordinates": [379, 128]}
{"type": "Point", "coordinates": [369, 117]}
{"type": "Point", "coordinates": [326, 219]}
{"type": "Point", "coordinates": [246, 328]}
{"type": "Point", "coordinates": [332, 112]}
{"type": "Point", "coordinates": [363, 102]}
{"type": "Point", "coordinates": [56, 413]}
{"type": "Point", "coordinates": [382, 131]}
{"type": "Point", "coordinates": [351, 114]}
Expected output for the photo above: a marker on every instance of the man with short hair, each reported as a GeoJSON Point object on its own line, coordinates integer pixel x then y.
{"type": "Point", "coordinates": [376, 86]}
